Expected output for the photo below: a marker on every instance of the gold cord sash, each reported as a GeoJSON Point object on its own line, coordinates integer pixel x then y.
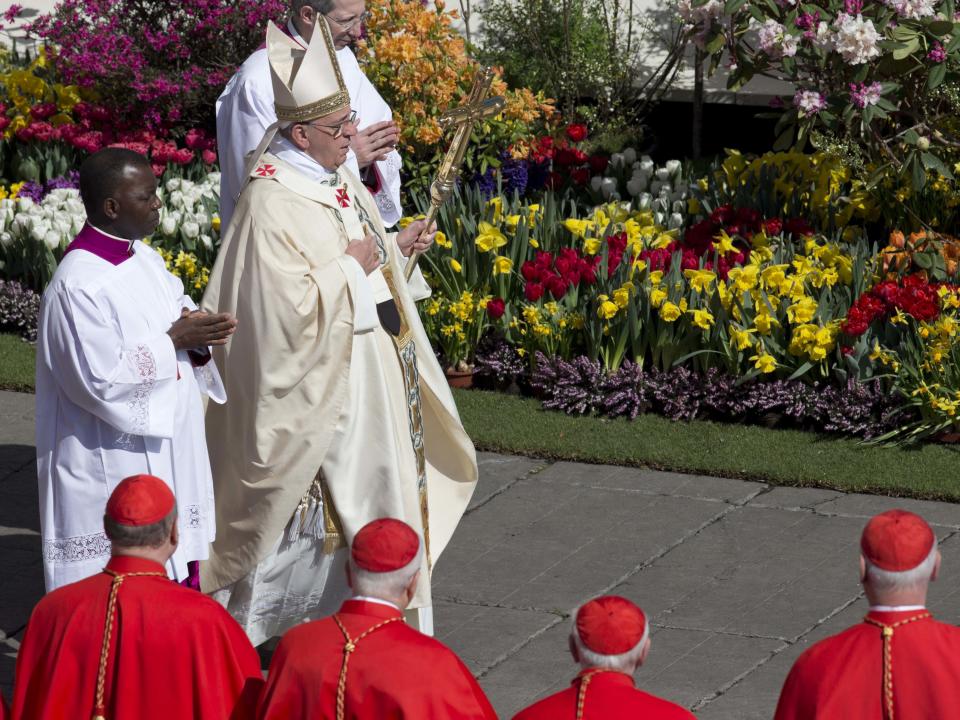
{"type": "Point", "coordinates": [887, 634]}
{"type": "Point", "coordinates": [350, 645]}
{"type": "Point", "coordinates": [582, 690]}
{"type": "Point", "coordinates": [99, 710]}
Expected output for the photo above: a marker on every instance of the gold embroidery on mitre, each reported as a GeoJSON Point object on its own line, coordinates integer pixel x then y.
{"type": "Point", "coordinates": [324, 106]}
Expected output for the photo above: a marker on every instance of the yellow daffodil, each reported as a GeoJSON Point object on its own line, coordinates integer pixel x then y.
{"type": "Point", "coordinates": [578, 227]}
{"type": "Point", "coordinates": [490, 237]}
{"type": "Point", "coordinates": [656, 277]}
{"type": "Point", "coordinates": [744, 278]}
{"type": "Point", "coordinates": [764, 362]}
{"type": "Point", "coordinates": [497, 204]}
{"type": "Point", "coordinates": [621, 297]}
{"type": "Point", "coordinates": [591, 246]}
{"type": "Point", "coordinates": [502, 265]}
{"type": "Point", "coordinates": [607, 310]}
{"type": "Point", "coordinates": [741, 339]}
{"type": "Point", "coordinates": [700, 280]}
{"type": "Point", "coordinates": [670, 312]}
{"type": "Point", "coordinates": [802, 311]}
{"type": "Point", "coordinates": [702, 319]}
{"type": "Point", "coordinates": [455, 266]}
{"type": "Point", "coordinates": [657, 296]}
{"type": "Point", "coordinates": [724, 243]}
{"type": "Point", "coordinates": [441, 240]}
{"type": "Point", "coordinates": [764, 322]}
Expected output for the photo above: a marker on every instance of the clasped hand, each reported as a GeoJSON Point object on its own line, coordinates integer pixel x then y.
{"type": "Point", "coordinates": [198, 329]}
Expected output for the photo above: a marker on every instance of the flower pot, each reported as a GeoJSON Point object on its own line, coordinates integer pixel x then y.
{"type": "Point", "coordinates": [460, 378]}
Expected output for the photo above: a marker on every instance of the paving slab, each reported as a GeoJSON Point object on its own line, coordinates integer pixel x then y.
{"type": "Point", "coordinates": [866, 506]}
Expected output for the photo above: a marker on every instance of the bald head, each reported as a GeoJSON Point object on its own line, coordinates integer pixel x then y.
{"type": "Point", "coordinates": [119, 193]}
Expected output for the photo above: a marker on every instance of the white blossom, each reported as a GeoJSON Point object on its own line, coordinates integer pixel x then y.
{"type": "Point", "coordinates": [856, 39]}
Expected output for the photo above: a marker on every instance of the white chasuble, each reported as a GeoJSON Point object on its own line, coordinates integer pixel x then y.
{"type": "Point", "coordinates": [318, 388]}
{"type": "Point", "coordinates": [245, 110]}
{"type": "Point", "coordinates": [115, 399]}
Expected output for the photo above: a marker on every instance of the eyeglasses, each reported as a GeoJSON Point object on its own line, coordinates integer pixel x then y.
{"type": "Point", "coordinates": [350, 24]}
{"type": "Point", "coordinates": [338, 128]}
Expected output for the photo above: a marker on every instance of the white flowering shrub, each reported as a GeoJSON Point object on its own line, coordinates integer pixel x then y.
{"type": "Point", "coordinates": [34, 235]}
{"type": "Point", "coordinates": [878, 76]}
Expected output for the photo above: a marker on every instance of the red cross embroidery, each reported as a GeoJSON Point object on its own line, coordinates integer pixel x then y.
{"type": "Point", "coordinates": [343, 198]}
{"type": "Point", "coordinates": [266, 170]}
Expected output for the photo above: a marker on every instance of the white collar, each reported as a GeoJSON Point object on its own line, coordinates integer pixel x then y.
{"type": "Point", "coordinates": [378, 601]}
{"type": "Point", "coordinates": [298, 159]}
{"type": "Point", "coordinates": [128, 241]}
{"type": "Point", "coordinates": [896, 608]}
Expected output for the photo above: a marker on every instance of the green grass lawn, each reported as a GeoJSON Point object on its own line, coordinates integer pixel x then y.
{"type": "Point", "coordinates": [509, 424]}
{"type": "Point", "coordinates": [16, 364]}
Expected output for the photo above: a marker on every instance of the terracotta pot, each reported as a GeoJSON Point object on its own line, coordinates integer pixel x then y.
{"type": "Point", "coordinates": [460, 379]}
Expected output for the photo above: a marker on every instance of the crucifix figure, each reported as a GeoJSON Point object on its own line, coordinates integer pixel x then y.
{"type": "Point", "coordinates": [477, 107]}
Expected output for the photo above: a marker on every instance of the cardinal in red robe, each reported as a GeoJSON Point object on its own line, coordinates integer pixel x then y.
{"type": "Point", "coordinates": [129, 642]}
{"type": "Point", "coordinates": [610, 640]}
{"type": "Point", "coordinates": [364, 662]}
{"type": "Point", "coordinates": [899, 662]}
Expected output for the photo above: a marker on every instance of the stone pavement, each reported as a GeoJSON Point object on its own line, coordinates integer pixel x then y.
{"type": "Point", "coordinates": [738, 577]}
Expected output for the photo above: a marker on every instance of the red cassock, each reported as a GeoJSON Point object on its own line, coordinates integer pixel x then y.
{"type": "Point", "coordinates": [842, 676]}
{"type": "Point", "coordinates": [395, 672]}
{"type": "Point", "coordinates": [609, 695]}
{"type": "Point", "coordinates": [4, 710]}
{"type": "Point", "coordinates": [175, 653]}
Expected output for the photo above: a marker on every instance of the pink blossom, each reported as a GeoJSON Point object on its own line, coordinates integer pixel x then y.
{"type": "Point", "coordinates": [863, 95]}
{"type": "Point", "coordinates": [809, 102]}
{"type": "Point", "coordinates": [937, 54]}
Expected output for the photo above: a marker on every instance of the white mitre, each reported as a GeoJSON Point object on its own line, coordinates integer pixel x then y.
{"type": "Point", "coordinates": [307, 84]}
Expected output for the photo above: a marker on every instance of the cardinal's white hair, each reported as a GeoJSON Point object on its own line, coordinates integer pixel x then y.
{"type": "Point", "coordinates": [881, 579]}
{"type": "Point", "coordinates": [624, 662]}
{"type": "Point", "coordinates": [385, 585]}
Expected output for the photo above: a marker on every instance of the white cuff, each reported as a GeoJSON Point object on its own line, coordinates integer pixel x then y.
{"type": "Point", "coordinates": [365, 316]}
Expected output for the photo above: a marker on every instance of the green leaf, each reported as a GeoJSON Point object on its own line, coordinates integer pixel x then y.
{"type": "Point", "coordinates": [800, 371]}
{"type": "Point", "coordinates": [715, 44]}
{"type": "Point", "coordinates": [939, 27]}
{"type": "Point", "coordinates": [918, 176]}
{"type": "Point", "coordinates": [903, 33]}
{"type": "Point", "coordinates": [936, 76]}
{"type": "Point", "coordinates": [732, 6]}
{"type": "Point", "coordinates": [784, 140]}
{"type": "Point", "coordinates": [905, 50]}
{"type": "Point", "coordinates": [911, 137]}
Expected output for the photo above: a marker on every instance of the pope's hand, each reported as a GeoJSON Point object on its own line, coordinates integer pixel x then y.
{"type": "Point", "coordinates": [365, 252]}
{"type": "Point", "coordinates": [198, 329]}
{"type": "Point", "coordinates": [414, 237]}
{"type": "Point", "coordinates": [375, 142]}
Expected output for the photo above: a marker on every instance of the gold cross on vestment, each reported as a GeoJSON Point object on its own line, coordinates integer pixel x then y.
{"type": "Point", "coordinates": [477, 107]}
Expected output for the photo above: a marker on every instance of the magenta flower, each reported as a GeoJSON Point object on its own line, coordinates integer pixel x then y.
{"type": "Point", "coordinates": [863, 95]}
{"type": "Point", "coordinates": [809, 102]}
{"type": "Point", "coordinates": [937, 54]}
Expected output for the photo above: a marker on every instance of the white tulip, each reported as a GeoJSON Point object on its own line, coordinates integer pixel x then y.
{"type": "Point", "coordinates": [6, 239]}
{"type": "Point", "coordinates": [168, 226]}
{"type": "Point", "coordinates": [644, 201]}
{"type": "Point", "coordinates": [676, 220]}
{"type": "Point", "coordinates": [191, 230]}
{"type": "Point", "coordinates": [673, 167]}
{"type": "Point", "coordinates": [63, 225]}
{"type": "Point", "coordinates": [78, 223]}
{"type": "Point", "coordinates": [629, 156]}
{"type": "Point", "coordinates": [173, 184]}
{"type": "Point", "coordinates": [616, 160]}
{"type": "Point", "coordinates": [608, 186]}
{"type": "Point", "coordinates": [635, 186]}
{"type": "Point", "coordinates": [53, 239]}
{"type": "Point", "coordinates": [679, 206]}
{"type": "Point", "coordinates": [176, 199]}
{"type": "Point", "coordinates": [662, 174]}
{"type": "Point", "coordinates": [207, 241]}
{"type": "Point", "coordinates": [665, 191]}
{"type": "Point", "coordinates": [658, 218]}
{"type": "Point", "coordinates": [22, 223]}
{"type": "Point", "coordinates": [655, 187]}
{"type": "Point", "coordinates": [646, 164]}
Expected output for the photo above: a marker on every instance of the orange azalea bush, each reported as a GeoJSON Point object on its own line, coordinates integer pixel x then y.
{"type": "Point", "coordinates": [934, 254]}
{"type": "Point", "coordinates": [419, 63]}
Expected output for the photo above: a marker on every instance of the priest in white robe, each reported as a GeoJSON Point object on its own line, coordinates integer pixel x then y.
{"type": "Point", "coordinates": [245, 111]}
{"type": "Point", "coordinates": [121, 369]}
{"type": "Point", "coordinates": [339, 412]}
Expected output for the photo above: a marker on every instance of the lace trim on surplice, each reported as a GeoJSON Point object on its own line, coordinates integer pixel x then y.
{"type": "Point", "coordinates": [79, 548]}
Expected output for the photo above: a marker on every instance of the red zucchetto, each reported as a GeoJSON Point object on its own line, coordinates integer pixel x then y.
{"type": "Point", "coordinates": [610, 625]}
{"type": "Point", "coordinates": [897, 540]}
{"type": "Point", "coordinates": [384, 545]}
{"type": "Point", "coordinates": [140, 500]}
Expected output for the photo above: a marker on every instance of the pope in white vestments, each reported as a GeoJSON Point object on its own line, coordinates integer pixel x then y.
{"type": "Point", "coordinates": [115, 397]}
{"type": "Point", "coordinates": [339, 412]}
{"type": "Point", "coordinates": [245, 111]}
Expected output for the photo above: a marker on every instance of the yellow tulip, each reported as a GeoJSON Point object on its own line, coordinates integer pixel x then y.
{"type": "Point", "coordinates": [455, 266]}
